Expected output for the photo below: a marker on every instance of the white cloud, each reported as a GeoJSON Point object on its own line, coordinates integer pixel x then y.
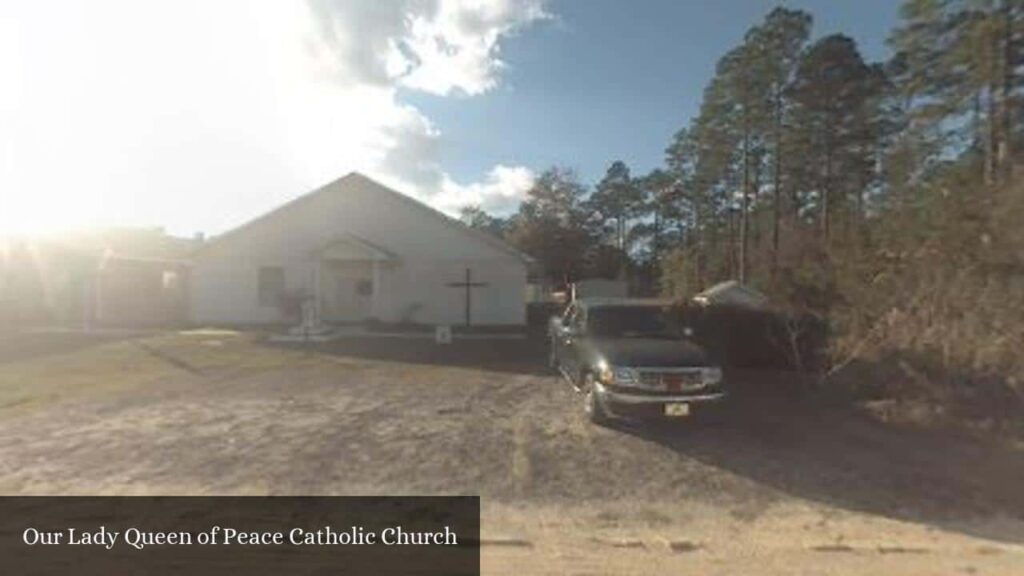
{"type": "Point", "coordinates": [456, 48]}
{"type": "Point", "coordinates": [443, 47]}
{"type": "Point", "coordinates": [500, 193]}
{"type": "Point", "coordinates": [198, 115]}
{"type": "Point", "coordinates": [438, 46]}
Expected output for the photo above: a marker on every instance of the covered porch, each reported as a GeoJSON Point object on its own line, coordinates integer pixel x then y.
{"type": "Point", "coordinates": [348, 279]}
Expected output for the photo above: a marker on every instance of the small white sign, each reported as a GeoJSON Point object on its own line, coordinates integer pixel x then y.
{"type": "Point", "coordinates": [443, 334]}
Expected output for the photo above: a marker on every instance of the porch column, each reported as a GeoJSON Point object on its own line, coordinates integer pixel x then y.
{"type": "Point", "coordinates": [375, 293]}
{"type": "Point", "coordinates": [316, 288]}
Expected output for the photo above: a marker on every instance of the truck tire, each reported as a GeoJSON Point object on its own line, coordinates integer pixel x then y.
{"type": "Point", "coordinates": [592, 406]}
{"type": "Point", "coordinates": [552, 357]}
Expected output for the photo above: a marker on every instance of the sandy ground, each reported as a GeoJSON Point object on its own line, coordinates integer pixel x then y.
{"type": "Point", "coordinates": [779, 485]}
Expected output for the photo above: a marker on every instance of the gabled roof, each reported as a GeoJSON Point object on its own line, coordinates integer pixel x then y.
{"type": "Point", "coordinates": [333, 187]}
{"type": "Point", "coordinates": [452, 222]}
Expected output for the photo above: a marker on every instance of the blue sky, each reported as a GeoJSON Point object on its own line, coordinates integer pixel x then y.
{"type": "Point", "coordinates": [611, 79]}
{"type": "Point", "coordinates": [197, 116]}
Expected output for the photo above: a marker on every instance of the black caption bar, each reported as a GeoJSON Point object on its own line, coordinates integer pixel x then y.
{"type": "Point", "coordinates": [44, 535]}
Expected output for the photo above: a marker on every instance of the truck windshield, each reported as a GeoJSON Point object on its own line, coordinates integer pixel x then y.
{"type": "Point", "coordinates": [632, 322]}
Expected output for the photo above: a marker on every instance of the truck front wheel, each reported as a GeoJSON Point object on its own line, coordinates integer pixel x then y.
{"type": "Point", "coordinates": [592, 405]}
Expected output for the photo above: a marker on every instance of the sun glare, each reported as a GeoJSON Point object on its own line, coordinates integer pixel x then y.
{"type": "Point", "coordinates": [27, 214]}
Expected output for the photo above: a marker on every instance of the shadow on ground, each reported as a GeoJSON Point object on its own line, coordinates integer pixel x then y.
{"type": "Point", "coordinates": [779, 435]}
{"type": "Point", "coordinates": [841, 457]}
{"type": "Point", "coordinates": [512, 356]}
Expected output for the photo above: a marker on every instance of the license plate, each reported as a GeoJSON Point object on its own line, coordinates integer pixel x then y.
{"type": "Point", "coordinates": [677, 409]}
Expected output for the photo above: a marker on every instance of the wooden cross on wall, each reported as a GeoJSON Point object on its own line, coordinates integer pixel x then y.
{"type": "Point", "coordinates": [468, 285]}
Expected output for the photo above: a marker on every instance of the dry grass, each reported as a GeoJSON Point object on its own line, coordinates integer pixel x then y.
{"type": "Point", "coordinates": [114, 367]}
{"type": "Point", "coordinates": [106, 368]}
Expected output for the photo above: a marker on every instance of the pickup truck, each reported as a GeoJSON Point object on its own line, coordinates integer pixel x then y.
{"type": "Point", "coordinates": [629, 358]}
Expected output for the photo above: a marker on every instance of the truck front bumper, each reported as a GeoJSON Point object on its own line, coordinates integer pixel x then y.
{"type": "Point", "coordinates": [629, 404]}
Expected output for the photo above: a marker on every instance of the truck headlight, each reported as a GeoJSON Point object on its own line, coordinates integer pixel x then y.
{"type": "Point", "coordinates": [711, 376]}
{"type": "Point", "coordinates": [618, 375]}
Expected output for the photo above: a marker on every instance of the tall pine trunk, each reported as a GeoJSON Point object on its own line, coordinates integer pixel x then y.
{"type": "Point", "coordinates": [745, 211]}
{"type": "Point", "coordinates": [993, 82]}
{"type": "Point", "coordinates": [777, 183]}
{"type": "Point", "coordinates": [1005, 154]}
{"type": "Point", "coordinates": [826, 193]}
{"type": "Point", "coordinates": [745, 203]}
{"type": "Point", "coordinates": [698, 245]}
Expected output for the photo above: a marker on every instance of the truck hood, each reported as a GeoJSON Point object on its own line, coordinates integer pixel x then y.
{"type": "Point", "coordinates": [653, 352]}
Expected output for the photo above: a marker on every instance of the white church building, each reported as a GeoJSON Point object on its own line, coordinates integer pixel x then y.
{"type": "Point", "coordinates": [359, 251]}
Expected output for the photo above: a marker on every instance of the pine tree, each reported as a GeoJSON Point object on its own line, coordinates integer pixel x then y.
{"type": "Point", "coordinates": [778, 42]}
{"type": "Point", "coordinates": [616, 201]}
{"type": "Point", "coordinates": [832, 91]}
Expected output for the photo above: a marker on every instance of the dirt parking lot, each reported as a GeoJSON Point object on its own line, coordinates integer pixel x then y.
{"type": "Point", "coordinates": [781, 484]}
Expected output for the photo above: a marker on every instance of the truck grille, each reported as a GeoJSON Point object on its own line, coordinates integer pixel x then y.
{"type": "Point", "coordinates": [675, 380]}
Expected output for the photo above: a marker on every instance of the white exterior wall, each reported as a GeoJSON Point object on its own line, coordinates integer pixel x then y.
{"type": "Point", "coordinates": [225, 290]}
{"type": "Point", "coordinates": [424, 284]}
{"type": "Point", "coordinates": [430, 251]}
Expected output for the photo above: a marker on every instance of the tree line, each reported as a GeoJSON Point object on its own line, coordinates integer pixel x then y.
{"type": "Point", "coordinates": [798, 151]}
{"type": "Point", "coordinates": [836, 185]}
